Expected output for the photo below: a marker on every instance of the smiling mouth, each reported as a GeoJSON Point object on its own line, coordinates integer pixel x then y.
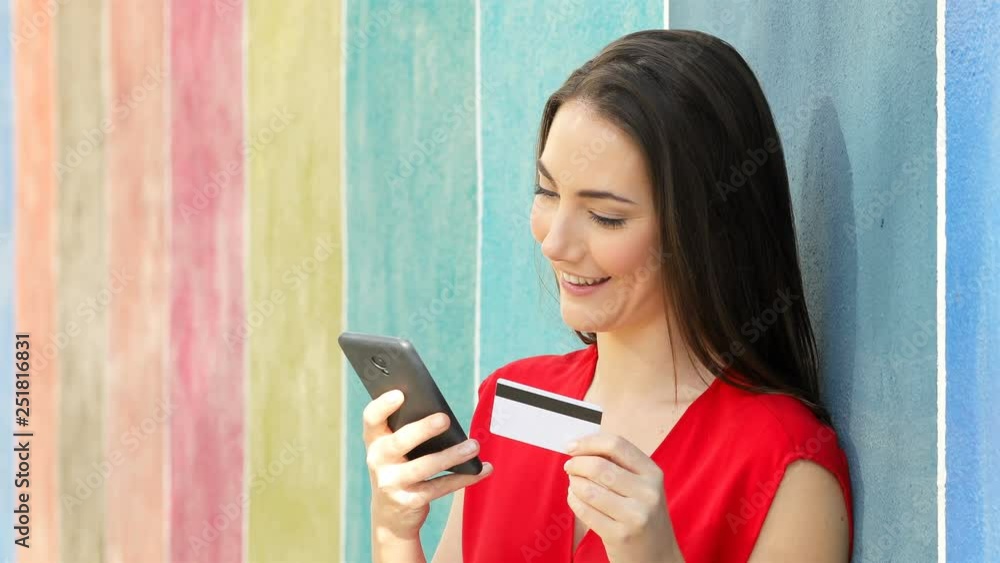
{"type": "Point", "coordinates": [578, 281]}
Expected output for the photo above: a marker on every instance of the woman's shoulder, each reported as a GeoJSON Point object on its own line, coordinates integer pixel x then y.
{"type": "Point", "coordinates": [753, 439]}
{"type": "Point", "coordinates": [781, 423]}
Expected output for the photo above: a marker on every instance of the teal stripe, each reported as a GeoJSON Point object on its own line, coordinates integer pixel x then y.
{"type": "Point", "coordinates": [528, 50]}
{"type": "Point", "coordinates": [411, 199]}
{"type": "Point", "coordinates": [853, 90]}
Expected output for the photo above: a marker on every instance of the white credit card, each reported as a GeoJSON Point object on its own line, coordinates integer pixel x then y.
{"type": "Point", "coordinates": [541, 418]}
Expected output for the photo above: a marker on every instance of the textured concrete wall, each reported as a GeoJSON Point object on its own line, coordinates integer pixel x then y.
{"type": "Point", "coordinates": [973, 282]}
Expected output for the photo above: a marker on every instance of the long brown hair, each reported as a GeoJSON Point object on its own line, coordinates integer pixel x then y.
{"type": "Point", "coordinates": [722, 198]}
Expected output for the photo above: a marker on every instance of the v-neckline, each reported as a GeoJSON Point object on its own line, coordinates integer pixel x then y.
{"type": "Point", "coordinates": [579, 393]}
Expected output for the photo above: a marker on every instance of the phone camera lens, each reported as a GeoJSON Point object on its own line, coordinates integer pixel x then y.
{"type": "Point", "coordinates": [380, 363]}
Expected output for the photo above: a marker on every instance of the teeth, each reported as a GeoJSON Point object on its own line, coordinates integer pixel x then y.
{"type": "Point", "coordinates": [581, 281]}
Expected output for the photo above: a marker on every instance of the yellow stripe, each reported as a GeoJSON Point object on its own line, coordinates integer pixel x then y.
{"type": "Point", "coordinates": [294, 308]}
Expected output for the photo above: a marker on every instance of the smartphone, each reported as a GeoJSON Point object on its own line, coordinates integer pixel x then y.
{"type": "Point", "coordinates": [384, 363]}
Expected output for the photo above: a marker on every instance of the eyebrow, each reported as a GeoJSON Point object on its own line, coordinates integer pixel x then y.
{"type": "Point", "coordinates": [592, 194]}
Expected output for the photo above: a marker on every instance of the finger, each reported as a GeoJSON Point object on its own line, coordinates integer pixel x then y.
{"type": "Point", "coordinates": [431, 464]}
{"type": "Point", "coordinates": [590, 516]}
{"type": "Point", "coordinates": [608, 474]}
{"type": "Point", "coordinates": [376, 412]}
{"type": "Point", "coordinates": [608, 503]}
{"type": "Point", "coordinates": [616, 449]}
{"type": "Point", "coordinates": [441, 486]}
{"type": "Point", "coordinates": [411, 435]}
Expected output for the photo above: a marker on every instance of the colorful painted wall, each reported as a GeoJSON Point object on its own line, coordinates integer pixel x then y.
{"type": "Point", "coordinates": [197, 197]}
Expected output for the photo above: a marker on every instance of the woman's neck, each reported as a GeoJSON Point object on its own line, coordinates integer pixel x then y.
{"type": "Point", "coordinates": [638, 366]}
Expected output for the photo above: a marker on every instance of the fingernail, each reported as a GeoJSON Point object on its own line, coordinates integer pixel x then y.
{"type": "Point", "coordinates": [395, 396]}
{"type": "Point", "coordinates": [571, 446]}
{"type": "Point", "coordinates": [487, 468]}
{"type": "Point", "coordinates": [468, 447]}
{"type": "Point", "coordinates": [440, 421]}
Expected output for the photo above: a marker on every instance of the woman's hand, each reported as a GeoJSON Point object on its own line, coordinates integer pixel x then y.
{"type": "Point", "coordinates": [400, 495]}
{"type": "Point", "coordinates": [617, 491]}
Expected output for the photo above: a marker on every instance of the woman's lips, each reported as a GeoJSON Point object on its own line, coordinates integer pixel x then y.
{"type": "Point", "coordinates": [581, 290]}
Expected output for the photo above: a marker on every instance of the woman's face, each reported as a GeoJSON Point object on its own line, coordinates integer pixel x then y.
{"type": "Point", "coordinates": [593, 216]}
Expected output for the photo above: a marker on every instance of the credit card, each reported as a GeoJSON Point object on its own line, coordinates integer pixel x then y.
{"type": "Point", "coordinates": [541, 418]}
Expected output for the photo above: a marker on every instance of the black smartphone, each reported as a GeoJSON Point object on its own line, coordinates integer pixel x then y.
{"type": "Point", "coordinates": [384, 363]}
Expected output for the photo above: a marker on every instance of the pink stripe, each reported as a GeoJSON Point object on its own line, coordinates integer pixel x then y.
{"type": "Point", "coordinates": [206, 281]}
{"type": "Point", "coordinates": [138, 407]}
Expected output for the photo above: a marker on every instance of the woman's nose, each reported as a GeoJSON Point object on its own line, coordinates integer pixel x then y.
{"type": "Point", "coordinates": [562, 243]}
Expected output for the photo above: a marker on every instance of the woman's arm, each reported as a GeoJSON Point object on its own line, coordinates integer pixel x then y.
{"type": "Point", "coordinates": [449, 549]}
{"type": "Point", "coordinates": [387, 548]}
{"type": "Point", "coordinates": [807, 520]}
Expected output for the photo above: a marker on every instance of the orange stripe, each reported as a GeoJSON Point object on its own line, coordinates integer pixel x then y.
{"type": "Point", "coordinates": [35, 263]}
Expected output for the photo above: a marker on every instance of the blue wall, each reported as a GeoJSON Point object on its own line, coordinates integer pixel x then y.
{"type": "Point", "coordinates": [852, 86]}
{"type": "Point", "coordinates": [973, 316]}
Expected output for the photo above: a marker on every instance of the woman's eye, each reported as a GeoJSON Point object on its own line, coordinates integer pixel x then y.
{"type": "Point", "coordinates": [543, 192]}
{"type": "Point", "coordinates": [607, 221]}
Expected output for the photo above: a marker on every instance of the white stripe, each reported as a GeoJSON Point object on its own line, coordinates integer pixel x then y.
{"type": "Point", "coordinates": [107, 86]}
{"type": "Point", "coordinates": [343, 278]}
{"type": "Point", "coordinates": [942, 247]}
{"type": "Point", "coordinates": [247, 233]}
{"type": "Point", "coordinates": [666, 14]}
{"type": "Point", "coordinates": [479, 209]}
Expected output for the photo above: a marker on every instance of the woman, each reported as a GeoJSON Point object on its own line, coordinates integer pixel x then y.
{"type": "Point", "coordinates": [662, 204]}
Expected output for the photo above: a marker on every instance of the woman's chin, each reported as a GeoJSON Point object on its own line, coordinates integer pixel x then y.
{"type": "Point", "coordinates": [582, 322]}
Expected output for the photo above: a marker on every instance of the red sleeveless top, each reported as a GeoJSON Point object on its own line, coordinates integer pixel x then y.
{"type": "Point", "coordinates": [722, 464]}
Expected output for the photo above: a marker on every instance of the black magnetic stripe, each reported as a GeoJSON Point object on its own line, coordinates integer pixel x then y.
{"type": "Point", "coordinates": [548, 403]}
